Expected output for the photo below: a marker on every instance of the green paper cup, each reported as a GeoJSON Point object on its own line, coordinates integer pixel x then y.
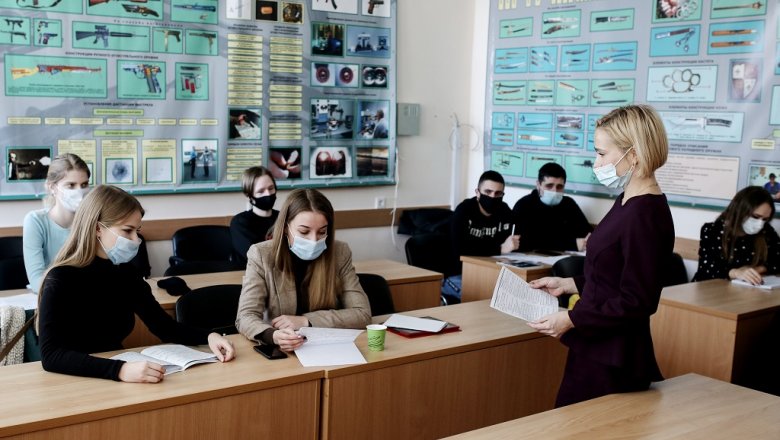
{"type": "Point", "coordinates": [376, 337]}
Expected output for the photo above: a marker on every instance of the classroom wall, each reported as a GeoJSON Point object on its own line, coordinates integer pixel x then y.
{"type": "Point", "coordinates": [434, 50]}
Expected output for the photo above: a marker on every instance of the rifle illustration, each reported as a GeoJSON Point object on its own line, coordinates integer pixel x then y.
{"type": "Point", "coordinates": [35, 4]}
{"type": "Point", "coordinates": [21, 72]}
{"type": "Point", "coordinates": [147, 72]}
{"type": "Point", "coordinates": [143, 10]}
{"type": "Point", "coordinates": [100, 2]}
{"type": "Point", "coordinates": [101, 32]}
{"type": "Point", "coordinates": [208, 35]}
{"type": "Point", "coordinates": [14, 24]}
{"type": "Point", "coordinates": [197, 7]}
{"type": "Point", "coordinates": [166, 33]}
{"type": "Point", "coordinates": [372, 3]}
{"type": "Point", "coordinates": [43, 38]}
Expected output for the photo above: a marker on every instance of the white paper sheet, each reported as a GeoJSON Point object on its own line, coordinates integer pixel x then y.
{"type": "Point", "coordinates": [513, 296]}
{"type": "Point", "coordinates": [531, 258]}
{"type": "Point", "coordinates": [29, 301]}
{"type": "Point", "coordinates": [770, 282]}
{"type": "Point", "coordinates": [414, 323]}
{"type": "Point", "coordinates": [329, 346]}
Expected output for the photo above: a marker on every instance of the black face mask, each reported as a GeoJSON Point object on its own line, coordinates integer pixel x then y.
{"type": "Point", "coordinates": [263, 203]}
{"type": "Point", "coordinates": [490, 204]}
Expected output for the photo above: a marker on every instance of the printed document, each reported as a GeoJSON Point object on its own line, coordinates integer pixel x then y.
{"type": "Point", "coordinates": [515, 297]}
{"type": "Point", "coordinates": [329, 346]}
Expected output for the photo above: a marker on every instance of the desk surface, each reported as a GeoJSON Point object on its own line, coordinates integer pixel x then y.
{"type": "Point", "coordinates": [481, 327]}
{"type": "Point", "coordinates": [534, 272]}
{"type": "Point", "coordinates": [721, 298]}
{"type": "Point", "coordinates": [686, 407]}
{"type": "Point", "coordinates": [39, 400]}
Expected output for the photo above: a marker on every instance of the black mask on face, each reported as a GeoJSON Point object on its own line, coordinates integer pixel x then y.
{"type": "Point", "coordinates": [263, 203]}
{"type": "Point", "coordinates": [490, 204]}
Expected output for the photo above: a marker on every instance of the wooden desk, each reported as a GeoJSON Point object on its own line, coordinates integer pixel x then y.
{"type": "Point", "coordinates": [238, 399]}
{"type": "Point", "coordinates": [689, 407]}
{"type": "Point", "coordinates": [495, 369]}
{"type": "Point", "coordinates": [480, 275]}
{"type": "Point", "coordinates": [711, 328]}
{"type": "Point", "coordinates": [412, 288]}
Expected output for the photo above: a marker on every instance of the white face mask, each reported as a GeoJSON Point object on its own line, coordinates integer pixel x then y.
{"type": "Point", "coordinates": [307, 249]}
{"type": "Point", "coordinates": [550, 197]}
{"type": "Point", "coordinates": [70, 199]}
{"type": "Point", "coordinates": [608, 177]}
{"type": "Point", "coordinates": [752, 226]}
{"type": "Point", "coordinates": [124, 249]}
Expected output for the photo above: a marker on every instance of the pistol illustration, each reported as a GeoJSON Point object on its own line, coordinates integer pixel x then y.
{"type": "Point", "coordinates": [167, 33]}
{"type": "Point", "coordinates": [145, 71]}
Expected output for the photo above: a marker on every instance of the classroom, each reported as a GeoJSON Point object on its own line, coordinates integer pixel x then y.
{"type": "Point", "coordinates": [441, 121]}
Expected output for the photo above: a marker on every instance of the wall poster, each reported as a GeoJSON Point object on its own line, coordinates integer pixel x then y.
{"type": "Point", "coordinates": [710, 69]}
{"type": "Point", "coordinates": [164, 96]}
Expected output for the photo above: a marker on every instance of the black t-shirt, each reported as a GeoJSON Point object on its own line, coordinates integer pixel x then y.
{"type": "Point", "coordinates": [476, 234]}
{"type": "Point", "coordinates": [248, 228]}
{"type": "Point", "coordinates": [544, 227]}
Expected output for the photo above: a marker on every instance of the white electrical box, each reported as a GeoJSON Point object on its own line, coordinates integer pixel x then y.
{"type": "Point", "coordinates": [408, 119]}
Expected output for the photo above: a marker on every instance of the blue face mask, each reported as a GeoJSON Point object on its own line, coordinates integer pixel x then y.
{"type": "Point", "coordinates": [307, 249]}
{"type": "Point", "coordinates": [123, 251]}
{"type": "Point", "coordinates": [550, 197]}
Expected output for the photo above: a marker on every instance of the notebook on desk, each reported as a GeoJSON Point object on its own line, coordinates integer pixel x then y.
{"type": "Point", "coordinates": [770, 282]}
{"type": "Point", "coordinates": [408, 333]}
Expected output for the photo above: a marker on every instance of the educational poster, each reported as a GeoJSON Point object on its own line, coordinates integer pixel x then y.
{"type": "Point", "coordinates": [711, 69]}
{"type": "Point", "coordinates": [164, 96]}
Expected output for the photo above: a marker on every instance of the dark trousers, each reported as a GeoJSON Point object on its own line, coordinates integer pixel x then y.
{"type": "Point", "coordinates": [585, 379]}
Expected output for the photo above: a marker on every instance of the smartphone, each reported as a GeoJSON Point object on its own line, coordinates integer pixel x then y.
{"type": "Point", "coordinates": [270, 351]}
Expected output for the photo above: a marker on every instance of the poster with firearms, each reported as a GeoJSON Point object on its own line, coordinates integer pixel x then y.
{"type": "Point", "coordinates": [709, 67]}
{"type": "Point", "coordinates": [164, 96]}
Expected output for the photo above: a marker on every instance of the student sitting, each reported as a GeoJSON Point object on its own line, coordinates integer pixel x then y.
{"type": "Point", "coordinates": [301, 277]}
{"type": "Point", "coordinates": [741, 243]}
{"type": "Point", "coordinates": [44, 231]}
{"type": "Point", "coordinates": [255, 225]}
{"type": "Point", "coordinates": [89, 297]}
{"type": "Point", "coordinates": [547, 219]}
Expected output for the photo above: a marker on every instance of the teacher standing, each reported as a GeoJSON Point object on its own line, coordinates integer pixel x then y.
{"type": "Point", "coordinates": [608, 330]}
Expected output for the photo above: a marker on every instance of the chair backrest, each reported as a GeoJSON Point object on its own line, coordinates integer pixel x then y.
{"type": "Point", "coordinates": [202, 243]}
{"type": "Point", "coordinates": [191, 267]}
{"type": "Point", "coordinates": [569, 266]}
{"type": "Point", "coordinates": [12, 272]}
{"type": "Point", "coordinates": [378, 293]}
{"type": "Point", "coordinates": [32, 349]}
{"type": "Point", "coordinates": [432, 252]}
{"type": "Point", "coordinates": [213, 308]}
{"type": "Point", "coordinates": [675, 272]}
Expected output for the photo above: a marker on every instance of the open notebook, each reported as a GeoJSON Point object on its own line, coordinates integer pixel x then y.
{"type": "Point", "coordinates": [172, 357]}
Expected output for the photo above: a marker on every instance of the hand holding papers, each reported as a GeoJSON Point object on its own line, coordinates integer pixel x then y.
{"type": "Point", "coordinates": [329, 346]}
{"type": "Point", "coordinates": [515, 297]}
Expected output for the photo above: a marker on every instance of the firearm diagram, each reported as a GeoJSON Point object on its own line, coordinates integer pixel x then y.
{"type": "Point", "coordinates": [12, 24]}
{"type": "Point", "coordinates": [21, 72]}
{"type": "Point", "coordinates": [46, 31]}
{"type": "Point", "coordinates": [210, 36]}
{"type": "Point", "coordinates": [168, 33]}
{"type": "Point", "coordinates": [101, 32]}
{"type": "Point", "coordinates": [147, 72]}
{"type": "Point", "coordinates": [190, 78]}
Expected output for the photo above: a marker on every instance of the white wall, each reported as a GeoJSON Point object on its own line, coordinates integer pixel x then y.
{"type": "Point", "coordinates": [434, 52]}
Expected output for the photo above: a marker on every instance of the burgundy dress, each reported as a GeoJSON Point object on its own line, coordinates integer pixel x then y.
{"type": "Point", "coordinates": [610, 347]}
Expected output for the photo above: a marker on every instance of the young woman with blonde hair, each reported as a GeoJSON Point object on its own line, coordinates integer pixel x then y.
{"type": "Point", "coordinates": [301, 277]}
{"type": "Point", "coordinates": [45, 230]}
{"type": "Point", "coordinates": [608, 330]}
{"type": "Point", "coordinates": [89, 297]}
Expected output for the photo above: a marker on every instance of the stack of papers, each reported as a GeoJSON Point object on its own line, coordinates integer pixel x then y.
{"type": "Point", "coordinates": [770, 282]}
{"type": "Point", "coordinates": [414, 323]}
{"type": "Point", "coordinates": [515, 297]}
{"type": "Point", "coordinates": [329, 346]}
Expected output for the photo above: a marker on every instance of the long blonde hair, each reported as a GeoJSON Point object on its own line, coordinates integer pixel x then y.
{"type": "Point", "coordinates": [58, 169]}
{"type": "Point", "coordinates": [321, 280]}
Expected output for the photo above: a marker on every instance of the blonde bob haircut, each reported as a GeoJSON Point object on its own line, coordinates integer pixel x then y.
{"type": "Point", "coordinates": [641, 127]}
{"type": "Point", "coordinates": [250, 176]}
{"type": "Point", "coordinates": [321, 281]}
{"type": "Point", "coordinates": [58, 168]}
{"type": "Point", "coordinates": [106, 204]}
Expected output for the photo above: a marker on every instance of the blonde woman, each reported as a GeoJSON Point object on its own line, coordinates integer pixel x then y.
{"type": "Point", "coordinates": [301, 277]}
{"type": "Point", "coordinates": [89, 297]}
{"type": "Point", "coordinates": [45, 230]}
{"type": "Point", "coordinates": [608, 330]}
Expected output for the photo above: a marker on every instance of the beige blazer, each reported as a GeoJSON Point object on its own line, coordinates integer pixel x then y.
{"type": "Point", "coordinates": [266, 289]}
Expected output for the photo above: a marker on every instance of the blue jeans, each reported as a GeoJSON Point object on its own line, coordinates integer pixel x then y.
{"type": "Point", "coordinates": [451, 286]}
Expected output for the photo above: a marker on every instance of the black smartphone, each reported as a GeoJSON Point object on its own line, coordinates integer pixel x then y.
{"type": "Point", "coordinates": [270, 351]}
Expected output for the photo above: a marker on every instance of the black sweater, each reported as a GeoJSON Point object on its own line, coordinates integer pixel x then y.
{"type": "Point", "coordinates": [248, 228]}
{"type": "Point", "coordinates": [92, 309]}
{"type": "Point", "coordinates": [543, 227]}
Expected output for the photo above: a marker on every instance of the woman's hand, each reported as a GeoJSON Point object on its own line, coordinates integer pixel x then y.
{"type": "Point", "coordinates": [554, 325]}
{"type": "Point", "coordinates": [287, 339]}
{"type": "Point", "coordinates": [141, 372]}
{"type": "Point", "coordinates": [289, 322]}
{"type": "Point", "coordinates": [748, 273]}
{"type": "Point", "coordinates": [221, 347]}
{"type": "Point", "coordinates": [555, 286]}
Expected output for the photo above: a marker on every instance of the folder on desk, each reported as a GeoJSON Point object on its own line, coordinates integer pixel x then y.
{"type": "Point", "coordinates": [409, 333]}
